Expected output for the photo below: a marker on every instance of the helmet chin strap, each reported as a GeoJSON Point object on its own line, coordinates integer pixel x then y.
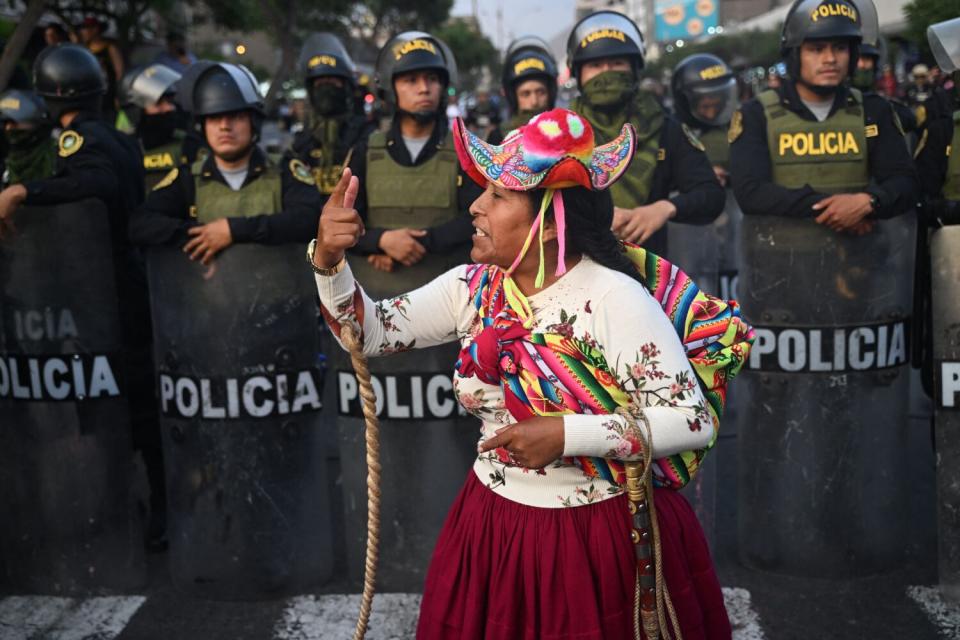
{"type": "Point", "coordinates": [421, 117]}
{"type": "Point", "coordinates": [819, 89]}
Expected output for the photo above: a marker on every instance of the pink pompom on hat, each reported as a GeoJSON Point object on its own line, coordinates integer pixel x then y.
{"type": "Point", "coordinates": [553, 151]}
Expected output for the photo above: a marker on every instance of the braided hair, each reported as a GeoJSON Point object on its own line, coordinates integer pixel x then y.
{"type": "Point", "coordinates": [589, 217]}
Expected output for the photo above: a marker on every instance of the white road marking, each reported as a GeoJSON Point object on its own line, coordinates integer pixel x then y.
{"type": "Point", "coordinates": [944, 614]}
{"type": "Point", "coordinates": [51, 618]}
{"type": "Point", "coordinates": [744, 620]}
{"type": "Point", "coordinates": [394, 616]}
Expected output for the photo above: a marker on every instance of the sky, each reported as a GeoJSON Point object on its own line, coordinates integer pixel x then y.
{"type": "Point", "coordinates": [544, 18]}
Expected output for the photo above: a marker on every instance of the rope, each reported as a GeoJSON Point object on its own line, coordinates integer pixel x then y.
{"type": "Point", "coordinates": [349, 337]}
{"type": "Point", "coordinates": [653, 622]}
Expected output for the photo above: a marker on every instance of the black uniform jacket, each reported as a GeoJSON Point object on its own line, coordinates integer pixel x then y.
{"type": "Point", "coordinates": [932, 159]}
{"type": "Point", "coordinates": [354, 130]}
{"type": "Point", "coordinates": [892, 178]}
{"type": "Point", "coordinates": [165, 216]}
{"type": "Point", "coordinates": [107, 166]}
{"type": "Point", "coordinates": [443, 238]}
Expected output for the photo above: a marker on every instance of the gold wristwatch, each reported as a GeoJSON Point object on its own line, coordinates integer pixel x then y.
{"type": "Point", "coordinates": [323, 271]}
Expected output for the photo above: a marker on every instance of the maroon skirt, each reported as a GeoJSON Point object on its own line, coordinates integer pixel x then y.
{"type": "Point", "coordinates": [506, 571]}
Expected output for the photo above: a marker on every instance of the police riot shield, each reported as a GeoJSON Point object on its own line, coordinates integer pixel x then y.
{"type": "Point", "coordinates": [421, 422]}
{"type": "Point", "coordinates": [69, 519]}
{"type": "Point", "coordinates": [945, 287]}
{"type": "Point", "coordinates": [824, 396]}
{"type": "Point", "coordinates": [239, 384]}
{"type": "Point", "coordinates": [694, 248]}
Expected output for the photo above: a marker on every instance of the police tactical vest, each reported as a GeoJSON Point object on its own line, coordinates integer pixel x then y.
{"type": "Point", "coordinates": [717, 148]}
{"type": "Point", "coordinates": [417, 197]}
{"type": "Point", "coordinates": [830, 156]}
{"type": "Point", "coordinates": [215, 199]}
{"type": "Point", "coordinates": [951, 185]}
{"type": "Point", "coordinates": [158, 162]}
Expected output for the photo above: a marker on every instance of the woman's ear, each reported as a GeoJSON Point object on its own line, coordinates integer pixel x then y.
{"type": "Point", "coordinates": [549, 230]}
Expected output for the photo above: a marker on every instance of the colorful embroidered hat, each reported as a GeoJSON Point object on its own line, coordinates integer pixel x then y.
{"type": "Point", "coordinates": [554, 150]}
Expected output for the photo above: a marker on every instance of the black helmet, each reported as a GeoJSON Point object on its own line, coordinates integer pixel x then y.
{"type": "Point", "coordinates": [324, 55]}
{"type": "Point", "coordinates": [413, 51]}
{"type": "Point", "coordinates": [605, 34]}
{"type": "Point", "coordinates": [143, 86]}
{"type": "Point", "coordinates": [528, 58]}
{"type": "Point", "coordinates": [700, 77]}
{"type": "Point", "coordinates": [68, 72]}
{"type": "Point", "coordinates": [820, 20]}
{"type": "Point", "coordinates": [22, 107]}
{"type": "Point", "coordinates": [223, 87]}
{"type": "Point", "coordinates": [944, 39]}
{"type": "Point", "coordinates": [869, 28]}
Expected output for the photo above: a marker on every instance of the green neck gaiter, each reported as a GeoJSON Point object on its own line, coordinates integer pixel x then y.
{"type": "Point", "coordinates": [326, 132]}
{"type": "Point", "coordinates": [519, 119]}
{"type": "Point", "coordinates": [639, 108]}
{"type": "Point", "coordinates": [863, 79]}
{"type": "Point", "coordinates": [32, 154]}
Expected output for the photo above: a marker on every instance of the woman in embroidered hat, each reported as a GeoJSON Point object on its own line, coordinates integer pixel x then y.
{"type": "Point", "coordinates": [560, 325]}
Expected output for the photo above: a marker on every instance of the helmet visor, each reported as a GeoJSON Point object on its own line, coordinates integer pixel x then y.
{"type": "Point", "coordinates": [944, 39]}
{"type": "Point", "coordinates": [152, 84]}
{"type": "Point", "coordinates": [713, 105]}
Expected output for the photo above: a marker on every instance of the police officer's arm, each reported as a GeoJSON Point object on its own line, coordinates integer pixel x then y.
{"type": "Point", "coordinates": [296, 222]}
{"type": "Point", "coordinates": [454, 234]}
{"type": "Point", "coordinates": [86, 173]}
{"type": "Point", "coordinates": [931, 162]}
{"type": "Point", "coordinates": [892, 177]}
{"type": "Point", "coordinates": [700, 198]}
{"type": "Point", "coordinates": [164, 217]}
{"type": "Point", "coordinates": [752, 175]}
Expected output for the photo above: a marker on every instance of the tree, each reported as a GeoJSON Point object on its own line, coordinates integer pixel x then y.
{"type": "Point", "coordinates": [921, 14]}
{"type": "Point", "coordinates": [377, 20]}
{"type": "Point", "coordinates": [739, 50]}
{"type": "Point", "coordinates": [18, 41]}
{"type": "Point", "coordinates": [472, 49]}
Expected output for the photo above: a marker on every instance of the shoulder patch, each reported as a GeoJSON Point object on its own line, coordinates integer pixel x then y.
{"type": "Point", "coordinates": [871, 130]}
{"type": "Point", "coordinates": [302, 172]}
{"type": "Point", "coordinates": [316, 153]}
{"type": "Point", "coordinates": [167, 179]}
{"type": "Point", "coordinates": [70, 142]}
{"type": "Point", "coordinates": [692, 138]}
{"type": "Point", "coordinates": [736, 126]}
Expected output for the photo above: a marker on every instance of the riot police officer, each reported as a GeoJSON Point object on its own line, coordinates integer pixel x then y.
{"type": "Point", "coordinates": [413, 197]}
{"type": "Point", "coordinates": [938, 152]}
{"type": "Point", "coordinates": [27, 130]}
{"type": "Point", "coordinates": [529, 83]}
{"type": "Point", "coordinates": [334, 126]}
{"type": "Point", "coordinates": [868, 65]}
{"type": "Point", "coordinates": [94, 160]}
{"type": "Point", "coordinates": [605, 52]}
{"type": "Point", "coordinates": [815, 148]}
{"type": "Point", "coordinates": [234, 194]}
{"type": "Point", "coordinates": [705, 97]}
{"type": "Point", "coordinates": [147, 98]}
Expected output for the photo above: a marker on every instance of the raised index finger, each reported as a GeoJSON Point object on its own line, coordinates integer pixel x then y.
{"type": "Point", "coordinates": [339, 191]}
{"type": "Point", "coordinates": [353, 187]}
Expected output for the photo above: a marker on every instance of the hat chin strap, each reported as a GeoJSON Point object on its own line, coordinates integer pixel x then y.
{"type": "Point", "coordinates": [421, 117]}
{"type": "Point", "coordinates": [559, 215]}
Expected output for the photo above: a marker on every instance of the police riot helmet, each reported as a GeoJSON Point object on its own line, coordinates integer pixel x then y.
{"type": "Point", "coordinates": [414, 51]}
{"type": "Point", "coordinates": [68, 77]}
{"type": "Point", "coordinates": [944, 39]}
{"type": "Point", "coordinates": [323, 54]}
{"type": "Point", "coordinates": [820, 20]}
{"type": "Point", "coordinates": [701, 78]}
{"type": "Point", "coordinates": [605, 34]}
{"type": "Point", "coordinates": [870, 28]}
{"type": "Point", "coordinates": [144, 86]}
{"type": "Point", "coordinates": [528, 58]}
{"type": "Point", "coordinates": [22, 107]}
{"type": "Point", "coordinates": [208, 88]}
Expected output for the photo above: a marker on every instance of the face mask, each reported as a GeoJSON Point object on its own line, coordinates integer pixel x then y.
{"type": "Point", "coordinates": [24, 139]}
{"type": "Point", "coordinates": [610, 89]}
{"type": "Point", "coordinates": [328, 99]}
{"type": "Point", "coordinates": [863, 79]}
{"type": "Point", "coordinates": [158, 129]}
